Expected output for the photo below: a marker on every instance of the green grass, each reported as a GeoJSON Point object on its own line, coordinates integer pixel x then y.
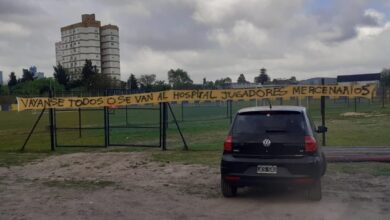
{"type": "Point", "coordinates": [203, 136]}
{"type": "Point", "coordinates": [376, 169]}
{"type": "Point", "coordinates": [18, 159]}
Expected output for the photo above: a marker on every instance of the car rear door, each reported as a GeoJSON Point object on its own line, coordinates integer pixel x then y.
{"type": "Point", "coordinates": [269, 134]}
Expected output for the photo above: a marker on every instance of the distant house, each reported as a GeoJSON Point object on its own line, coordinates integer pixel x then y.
{"type": "Point", "coordinates": [317, 81]}
{"type": "Point", "coordinates": [359, 78]}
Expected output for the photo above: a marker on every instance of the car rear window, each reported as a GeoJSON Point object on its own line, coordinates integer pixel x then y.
{"type": "Point", "coordinates": [269, 122]}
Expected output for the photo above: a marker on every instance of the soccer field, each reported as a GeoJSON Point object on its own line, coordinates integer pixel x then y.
{"type": "Point", "coordinates": [204, 125]}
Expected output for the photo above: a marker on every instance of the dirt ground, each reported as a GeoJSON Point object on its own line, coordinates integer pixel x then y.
{"type": "Point", "coordinates": [131, 186]}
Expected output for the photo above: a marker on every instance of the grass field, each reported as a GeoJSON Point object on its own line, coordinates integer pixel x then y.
{"type": "Point", "coordinates": [204, 127]}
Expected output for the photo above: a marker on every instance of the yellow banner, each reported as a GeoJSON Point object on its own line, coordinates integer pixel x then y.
{"type": "Point", "coordinates": [197, 95]}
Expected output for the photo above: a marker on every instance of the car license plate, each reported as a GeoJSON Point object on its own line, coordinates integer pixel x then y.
{"type": "Point", "coordinates": [268, 169]}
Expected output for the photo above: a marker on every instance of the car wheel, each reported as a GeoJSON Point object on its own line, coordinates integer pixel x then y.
{"type": "Point", "coordinates": [227, 189]}
{"type": "Point", "coordinates": [315, 192]}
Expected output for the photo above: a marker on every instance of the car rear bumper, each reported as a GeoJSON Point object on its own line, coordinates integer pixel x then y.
{"type": "Point", "coordinates": [243, 171]}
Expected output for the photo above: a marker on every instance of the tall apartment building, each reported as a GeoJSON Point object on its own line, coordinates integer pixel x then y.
{"type": "Point", "coordinates": [89, 40]}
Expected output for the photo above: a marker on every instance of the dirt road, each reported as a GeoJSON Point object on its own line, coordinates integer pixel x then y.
{"type": "Point", "coordinates": [130, 186]}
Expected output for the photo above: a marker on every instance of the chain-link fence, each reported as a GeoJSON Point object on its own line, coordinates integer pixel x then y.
{"type": "Point", "coordinates": [202, 123]}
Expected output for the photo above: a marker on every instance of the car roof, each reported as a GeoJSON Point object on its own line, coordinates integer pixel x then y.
{"type": "Point", "coordinates": [274, 108]}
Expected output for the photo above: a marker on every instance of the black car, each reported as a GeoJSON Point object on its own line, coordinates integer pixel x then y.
{"type": "Point", "coordinates": [273, 146]}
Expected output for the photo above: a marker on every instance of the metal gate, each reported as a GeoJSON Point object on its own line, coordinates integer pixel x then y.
{"type": "Point", "coordinates": [138, 126]}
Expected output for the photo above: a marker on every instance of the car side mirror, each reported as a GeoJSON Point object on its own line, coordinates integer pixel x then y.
{"type": "Point", "coordinates": [321, 129]}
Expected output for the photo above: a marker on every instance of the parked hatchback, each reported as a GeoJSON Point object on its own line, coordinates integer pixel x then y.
{"type": "Point", "coordinates": [273, 146]}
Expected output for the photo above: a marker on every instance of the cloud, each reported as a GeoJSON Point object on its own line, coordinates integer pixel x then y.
{"type": "Point", "coordinates": [213, 38]}
{"type": "Point", "coordinates": [13, 30]}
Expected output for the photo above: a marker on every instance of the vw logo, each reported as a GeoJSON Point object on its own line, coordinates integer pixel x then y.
{"type": "Point", "coordinates": [266, 142]}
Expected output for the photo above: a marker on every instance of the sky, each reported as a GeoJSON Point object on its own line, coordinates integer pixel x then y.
{"type": "Point", "coordinates": [209, 39]}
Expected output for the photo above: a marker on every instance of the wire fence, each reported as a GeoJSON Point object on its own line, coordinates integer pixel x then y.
{"type": "Point", "coordinates": [202, 123]}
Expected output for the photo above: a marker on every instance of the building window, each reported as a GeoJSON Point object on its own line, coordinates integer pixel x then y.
{"type": "Point", "coordinates": [112, 38]}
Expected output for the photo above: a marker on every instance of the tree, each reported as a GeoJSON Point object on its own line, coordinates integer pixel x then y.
{"type": "Point", "coordinates": [4, 90]}
{"type": "Point", "coordinates": [33, 71]}
{"type": "Point", "coordinates": [61, 75]}
{"type": "Point", "coordinates": [89, 74]}
{"type": "Point", "coordinates": [132, 83]}
{"type": "Point", "coordinates": [12, 80]}
{"type": "Point", "coordinates": [293, 79]}
{"type": "Point", "coordinates": [385, 77]}
{"type": "Point", "coordinates": [160, 85]}
{"type": "Point", "coordinates": [263, 77]}
{"type": "Point", "coordinates": [146, 82]}
{"type": "Point", "coordinates": [147, 79]}
{"type": "Point", "coordinates": [36, 87]}
{"type": "Point", "coordinates": [222, 82]}
{"type": "Point", "coordinates": [179, 78]}
{"type": "Point", "coordinates": [103, 81]}
{"type": "Point", "coordinates": [283, 81]}
{"type": "Point", "coordinates": [241, 79]}
{"type": "Point", "coordinates": [27, 76]}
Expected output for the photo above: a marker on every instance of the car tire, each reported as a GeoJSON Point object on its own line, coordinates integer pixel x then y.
{"type": "Point", "coordinates": [314, 193]}
{"type": "Point", "coordinates": [227, 189]}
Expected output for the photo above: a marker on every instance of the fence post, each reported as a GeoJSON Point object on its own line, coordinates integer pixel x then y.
{"type": "Point", "coordinates": [383, 96]}
{"type": "Point", "coordinates": [52, 125]}
{"type": "Point", "coordinates": [307, 102]}
{"type": "Point", "coordinates": [355, 104]}
{"type": "Point", "coordinates": [323, 114]}
{"type": "Point", "coordinates": [106, 124]}
{"type": "Point", "coordinates": [127, 122]}
{"type": "Point", "coordinates": [227, 109]}
{"type": "Point", "coordinates": [79, 122]}
{"type": "Point", "coordinates": [182, 111]}
{"type": "Point", "coordinates": [231, 110]}
{"type": "Point", "coordinates": [163, 125]}
{"type": "Point", "coordinates": [160, 108]}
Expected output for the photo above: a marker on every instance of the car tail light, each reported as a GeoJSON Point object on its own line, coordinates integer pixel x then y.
{"type": "Point", "coordinates": [228, 145]}
{"type": "Point", "coordinates": [310, 144]}
{"type": "Point", "coordinates": [232, 178]}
